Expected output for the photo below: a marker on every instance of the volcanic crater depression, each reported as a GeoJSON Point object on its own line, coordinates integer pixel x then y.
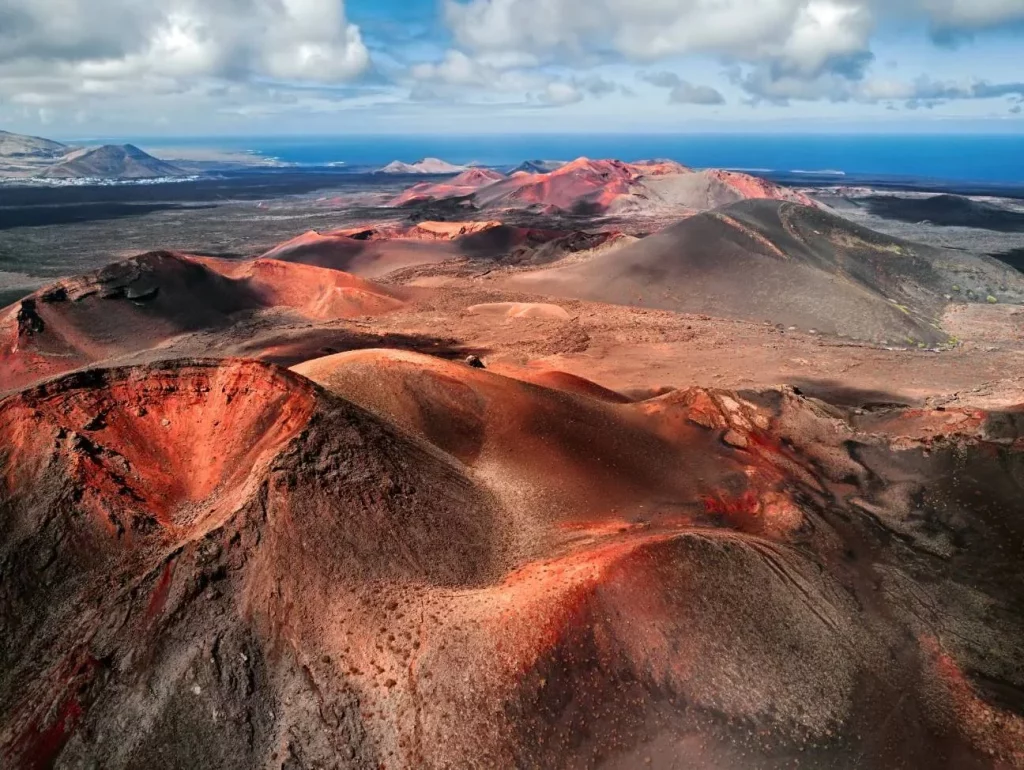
{"type": "Point", "coordinates": [486, 520]}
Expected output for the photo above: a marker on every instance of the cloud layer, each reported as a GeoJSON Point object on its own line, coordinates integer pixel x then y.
{"type": "Point", "coordinates": [55, 48]}
{"type": "Point", "coordinates": [786, 49]}
{"type": "Point", "coordinates": [254, 59]}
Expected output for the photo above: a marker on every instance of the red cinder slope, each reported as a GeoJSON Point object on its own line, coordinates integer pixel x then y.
{"type": "Point", "coordinates": [465, 183]}
{"type": "Point", "coordinates": [371, 257]}
{"type": "Point", "coordinates": [753, 187]}
{"type": "Point", "coordinates": [377, 251]}
{"type": "Point", "coordinates": [660, 167]}
{"type": "Point", "coordinates": [583, 185]}
{"type": "Point", "coordinates": [227, 565]}
{"type": "Point", "coordinates": [143, 302]}
{"type": "Point", "coordinates": [601, 186]}
{"type": "Point", "coordinates": [201, 521]}
{"type": "Point", "coordinates": [550, 445]}
{"type": "Point", "coordinates": [315, 292]}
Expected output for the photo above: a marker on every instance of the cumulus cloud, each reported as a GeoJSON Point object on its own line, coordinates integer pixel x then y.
{"type": "Point", "coordinates": [63, 57]}
{"type": "Point", "coordinates": [972, 14]}
{"type": "Point", "coordinates": [457, 77]}
{"type": "Point", "coordinates": [788, 49]}
{"type": "Point", "coordinates": [806, 33]}
{"type": "Point", "coordinates": [455, 69]}
{"type": "Point", "coordinates": [558, 94]}
{"type": "Point", "coordinates": [301, 40]}
{"type": "Point", "coordinates": [762, 84]}
{"type": "Point", "coordinates": [687, 93]}
{"type": "Point", "coordinates": [129, 62]}
{"type": "Point", "coordinates": [682, 91]}
{"type": "Point", "coordinates": [595, 85]}
{"type": "Point", "coordinates": [796, 35]}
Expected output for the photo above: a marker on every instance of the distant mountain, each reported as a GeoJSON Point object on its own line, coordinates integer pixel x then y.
{"type": "Point", "coordinates": [425, 166]}
{"type": "Point", "coordinates": [22, 157]}
{"type": "Point", "coordinates": [111, 161]}
{"type": "Point", "coordinates": [587, 186]}
{"type": "Point", "coordinates": [538, 166]}
{"type": "Point", "coordinates": [29, 147]}
{"type": "Point", "coordinates": [466, 183]}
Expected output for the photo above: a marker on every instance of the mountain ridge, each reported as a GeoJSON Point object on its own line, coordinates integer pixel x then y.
{"type": "Point", "coordinates": [111, 161]}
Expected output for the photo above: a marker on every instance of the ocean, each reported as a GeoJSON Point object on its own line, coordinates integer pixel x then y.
{"type": "Point", "coordinates": [960, 158]}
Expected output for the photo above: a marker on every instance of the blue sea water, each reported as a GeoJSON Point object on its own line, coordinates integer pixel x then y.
{"type": "Point", "coordinates": [970, 158]}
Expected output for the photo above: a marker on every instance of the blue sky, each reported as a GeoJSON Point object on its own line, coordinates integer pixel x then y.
{"type": "Point", "coordinates": [264, 67]}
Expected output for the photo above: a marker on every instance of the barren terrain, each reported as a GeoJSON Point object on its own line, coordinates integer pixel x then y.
{"type": "Point", "coordinates": [411, 491]}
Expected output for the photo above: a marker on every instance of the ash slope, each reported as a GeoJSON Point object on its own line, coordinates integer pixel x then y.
{"type": "Point", "coordinates": [947, 211]}
{"type": "Point", "coordinates": [227, 565]}
{"type": "Point", "coordinates": [788, 264]}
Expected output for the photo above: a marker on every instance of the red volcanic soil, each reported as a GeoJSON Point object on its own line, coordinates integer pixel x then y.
{"type": "Point", "coordinates": [406, 562]}
{"type": "Point", "coordinates": [450, 231]}
{"type": "Point", "coordinates": [711, 189]}
{"type": "Point", "coordinates": [602, 186]}
{"type": "Point", "coordinates": [145, 301]}
{"type": "Point", "coordinates": [366, 256]}
{"type": "Point", "coordinates": [570, 383]}
{"type": "Point", "coordinates": [753, 187]}
{"type": "Point", "coordinates": [385, 559]}
{"type": "Point", "coordinates": [584, 186]}
{"type": "Point", "coordinates": [464, 184]}
{"type": "Point", "coordinates": [376, 251]}
{"type": "Point", "coordinates": [182, 500]}
{"type": "Point", "coordinates": [513, 310]}
{"type": "Point", "coordinates": [520, 434]}
{"type": "Point", "coordinates": [659, 167]}
{"type": "Point", "coordinates": [315, 292]}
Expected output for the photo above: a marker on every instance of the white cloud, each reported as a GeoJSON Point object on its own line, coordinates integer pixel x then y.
{"type": "Point", "coordinates": [125, 62]}
{"type": "Point", "coordinates": [455, 69]}
{"type": "Point", "coordinates": [923, 91]}
{"type": "Point", "coordinates": [788, 49]}
{"type": "Point", "coordinates": [303, 40]}
{"type": "Point", "coordinates": [458, 76]}
{"type": "Point", "coordinates": [595, 85]}
{"type": "Point", "coordinates": [799, 35]}
{"type": "Point", "coordinates": [973, 14]}
{"type": "Point", "coordinates": [683, 91]}
{"type": "Point", "coordinates": [558, 94]}
{"type": "Point", "coordinates": [142, 61]}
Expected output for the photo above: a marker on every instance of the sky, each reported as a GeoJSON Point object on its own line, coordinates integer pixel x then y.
{"type": "Point", "coordinates": [77, 68]}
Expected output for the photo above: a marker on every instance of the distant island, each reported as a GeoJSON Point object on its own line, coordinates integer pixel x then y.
{"type": "Point", "coordinates": [33, 157]}
{"type": "Point", "coordinates": [424, 166]}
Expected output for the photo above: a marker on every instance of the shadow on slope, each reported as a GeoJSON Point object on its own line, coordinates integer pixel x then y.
{"type": "Point", "coordinates": [144, 302]}
{"type": "Point", "coordinates": [788, 264]}
{"type": "Point", "coordinates": [947, 211]}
